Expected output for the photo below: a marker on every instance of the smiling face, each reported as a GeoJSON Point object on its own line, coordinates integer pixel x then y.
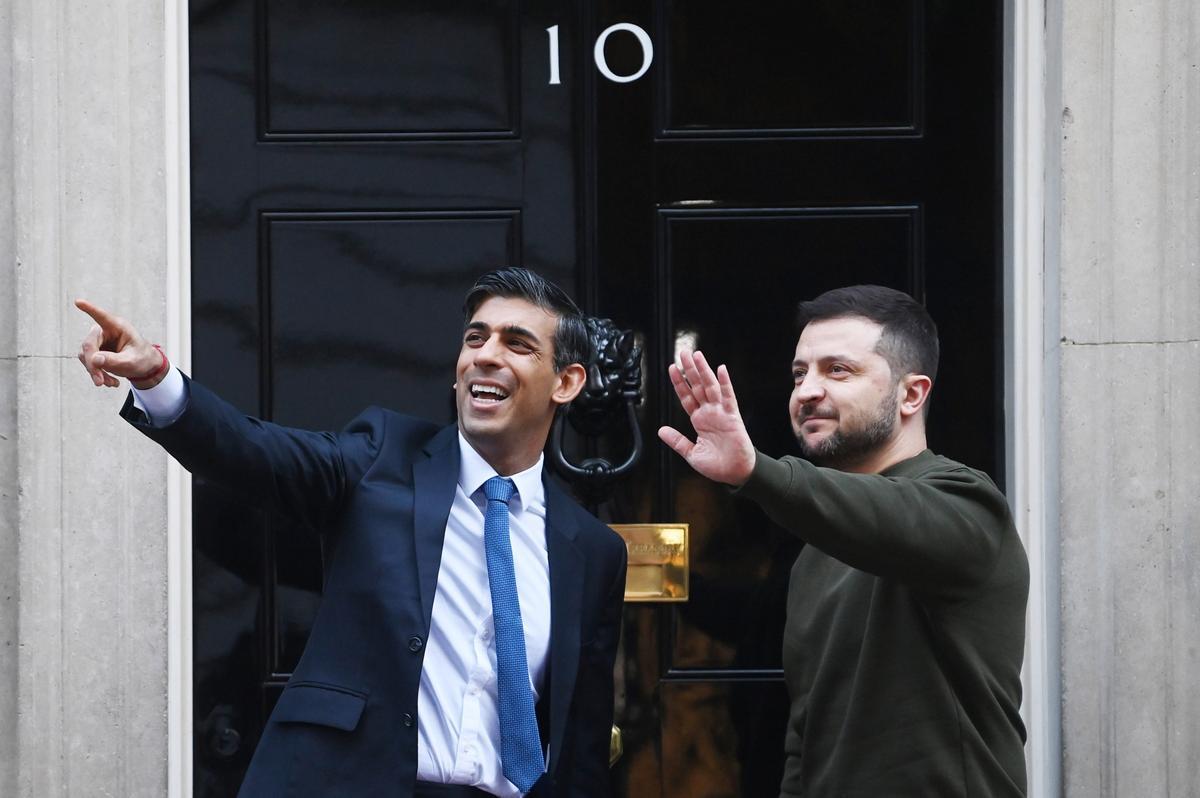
{"type": "Point", "coordinates": [506, 387]}
{"type": "Point", "coordinates": [845, 402]}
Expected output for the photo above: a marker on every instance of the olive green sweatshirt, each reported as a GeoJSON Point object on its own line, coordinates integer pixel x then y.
{"type": "Point", "coordinates": [905, 630]}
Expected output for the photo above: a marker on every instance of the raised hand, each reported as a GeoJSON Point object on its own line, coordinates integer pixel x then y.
{"type": "Point", "coordinates": [113, 348]}
{"type": "Point", "coordinates": [722, 450]}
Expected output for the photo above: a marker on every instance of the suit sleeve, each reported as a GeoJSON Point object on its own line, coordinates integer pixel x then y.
{"type": "Point", "coordinates": [590, 776]}
{"type": "Point", "coordinates": [942, 532]}
{"type": "Point", "coordinates": [304, 475]}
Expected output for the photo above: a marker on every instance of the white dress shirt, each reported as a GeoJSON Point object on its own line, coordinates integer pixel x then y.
{"type": "Point", "coordinates": [164, 403]}
{"type": "Point", "coordinates": [458, 728]}
{"type": "Point", "coordinates": [458, 725]}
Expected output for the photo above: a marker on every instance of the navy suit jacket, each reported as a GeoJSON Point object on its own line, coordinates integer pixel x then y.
{"type": "Point", "coordinates": [380, 491]}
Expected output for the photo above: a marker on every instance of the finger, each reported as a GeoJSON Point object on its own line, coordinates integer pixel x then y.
{"type": "Point", "coordinates": [111, 382]}
{"type": "Point", "coordinates": [89, 347]}
{"type": "Point", "coordinates": [679, 362]}
{"type": "Point", "coordinates": [692, 376]}
{"type": "Point", "coordinates": [676, 440]}
{"type": "Point", "coordinates": [93, 340]}
{"type": "Point", "coordinates": [728, 397]}
{"type": "Point", "coordinates": [682, 389]}
{"type": "Point", "coordinates": [93, 373]}
{"type": "Point", "coordinates": [708, 380]}
{"type": "Point", "coordinates": [101, 316]}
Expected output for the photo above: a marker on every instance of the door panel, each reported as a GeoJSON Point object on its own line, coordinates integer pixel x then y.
{"type": "Point", "coordinates": [399, 275]}
{"type": "Point", "coordinates": [778, 151]}
{"type": "Point", "coordinates": [377, 70]}
{"type": "Point", "coordinates": [355, 166]}
{"type": "Point", "coordinates": [788, 69]}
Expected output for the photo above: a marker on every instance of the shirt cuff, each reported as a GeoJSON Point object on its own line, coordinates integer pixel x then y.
{"type": "Point", "coordinates": [164, 403]}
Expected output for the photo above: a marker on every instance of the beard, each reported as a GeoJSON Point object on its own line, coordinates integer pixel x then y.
{"type": "Point", "coordinates": [850, 444]}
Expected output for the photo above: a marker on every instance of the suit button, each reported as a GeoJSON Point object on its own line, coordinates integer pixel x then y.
{"type": "Point", "coordinates": [415, 644]}
{"type": "Point", "coordinates": [408, 720]}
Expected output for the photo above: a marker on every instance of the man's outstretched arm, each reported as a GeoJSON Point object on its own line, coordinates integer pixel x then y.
{"type": "Point", "coordinates": [942, 532]}
{"type": "Point", "coordinates": [302, 474]}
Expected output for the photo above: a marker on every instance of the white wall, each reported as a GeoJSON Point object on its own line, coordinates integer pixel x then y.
{"type": "Point", "coordinates": [1128, 246]}
{"type": "Point", "coordinates": [86, 147]}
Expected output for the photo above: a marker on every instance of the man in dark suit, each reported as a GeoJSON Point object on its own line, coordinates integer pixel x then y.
{"type": "Point", "coordinates": [462, 648]}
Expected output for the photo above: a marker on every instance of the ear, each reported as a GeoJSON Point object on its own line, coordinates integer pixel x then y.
{"type": "Point", "coordinates": [914, 393]}
{"type": "Point", "coordinates": [570, 383]}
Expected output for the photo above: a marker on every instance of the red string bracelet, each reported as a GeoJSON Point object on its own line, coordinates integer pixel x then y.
{"type": "Point", "coordinates": [158, 372]}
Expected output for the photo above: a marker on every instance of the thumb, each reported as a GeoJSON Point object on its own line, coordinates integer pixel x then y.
{"type": "Point", "coordinates": [129, 362]}
{"type": "Point", "coordinates": [676, 440]}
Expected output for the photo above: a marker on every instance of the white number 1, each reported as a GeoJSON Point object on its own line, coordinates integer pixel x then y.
{"type": "Point", "coordinates": [552, 32]}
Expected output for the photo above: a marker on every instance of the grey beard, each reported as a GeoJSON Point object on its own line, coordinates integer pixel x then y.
{"type": "Point", "coordinates": [845, 447]}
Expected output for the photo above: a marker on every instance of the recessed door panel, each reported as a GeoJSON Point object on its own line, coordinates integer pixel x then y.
{"type": "Point", "coordinates": [381, 69]}
{"type": "Point", "coordinates": [399, 277]}
{"type": "Point", "coordinates": [833, 67]}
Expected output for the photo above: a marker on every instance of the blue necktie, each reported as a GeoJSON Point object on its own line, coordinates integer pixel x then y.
{"type": "Point", "coordinates": [520, 744]}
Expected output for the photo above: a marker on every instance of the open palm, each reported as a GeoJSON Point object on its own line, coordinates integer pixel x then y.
{"type": "Point", "coordinates": [722, 450]}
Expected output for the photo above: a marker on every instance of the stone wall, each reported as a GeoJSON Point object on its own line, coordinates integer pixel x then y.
{"type": "Point", "coordinates": [86, 144]}
{"type": "Point", "coordinates": [1130, 396]}
{"type": "Point", "coordinates": [8, 423]}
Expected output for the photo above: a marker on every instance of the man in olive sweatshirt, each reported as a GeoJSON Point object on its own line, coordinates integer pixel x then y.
{"type": "Point", "coordinates": [906, 610]}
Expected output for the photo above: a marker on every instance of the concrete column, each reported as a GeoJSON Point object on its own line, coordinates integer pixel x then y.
{"type": "Point", "coordinates": [1130, 416]}
{"type": "Point", "coordinates": [8, 424]}
{"type": "Point", "coordinates": [87, 148]}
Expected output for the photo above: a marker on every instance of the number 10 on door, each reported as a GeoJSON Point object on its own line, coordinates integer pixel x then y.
{"type": "Point", "coordinates": [638, 33]}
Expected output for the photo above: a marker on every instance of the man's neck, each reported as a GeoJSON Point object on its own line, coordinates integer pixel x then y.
{"type": "Point", "coordinates": [506, 460]}
{"type": "Point", "coordinates": [900, 448]}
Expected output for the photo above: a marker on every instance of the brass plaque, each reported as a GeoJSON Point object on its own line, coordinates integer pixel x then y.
{"type": "Point", "coordinates": [658, 561]}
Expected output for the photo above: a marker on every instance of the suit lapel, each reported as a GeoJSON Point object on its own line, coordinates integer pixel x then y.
{"type": "Point", "coordinates": [434, 479]}
{"type": "Point", "coordinates": [566, 582]}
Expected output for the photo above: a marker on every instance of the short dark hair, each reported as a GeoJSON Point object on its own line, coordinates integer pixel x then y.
{"type": "Point", "coordinates": [571, 343]}
{"type": "Point", "coordinates": [909, 339]}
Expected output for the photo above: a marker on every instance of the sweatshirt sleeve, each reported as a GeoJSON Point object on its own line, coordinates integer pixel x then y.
{"type": "Point", "coordinates": [942, 531]}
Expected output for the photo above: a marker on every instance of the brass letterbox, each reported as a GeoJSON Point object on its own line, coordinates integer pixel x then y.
{"type": "Point", "coordinates": [658, 561]}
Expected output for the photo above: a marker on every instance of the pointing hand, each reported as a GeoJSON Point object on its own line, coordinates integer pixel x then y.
{"type": "Point", "coordinates": [113, 348]}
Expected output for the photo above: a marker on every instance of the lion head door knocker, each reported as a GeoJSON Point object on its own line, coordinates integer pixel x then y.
{"type": "Point", "coordinates": [613, 391]}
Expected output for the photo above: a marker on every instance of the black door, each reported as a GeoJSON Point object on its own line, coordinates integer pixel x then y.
{"type": "Point", "coordinates": [356, 164]}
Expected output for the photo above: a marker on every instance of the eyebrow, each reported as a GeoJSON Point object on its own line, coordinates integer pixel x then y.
{"type": "Point", "coordinates": [828, 359]}
{"type": "Point", "coordinates": [510, 329]}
